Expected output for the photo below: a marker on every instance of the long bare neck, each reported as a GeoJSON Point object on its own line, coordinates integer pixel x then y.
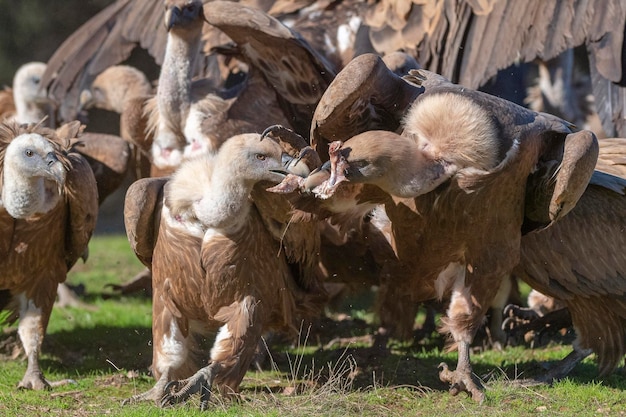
{"type": "Point", "coordinates": [174, 90]}
{"type": "Point", "coordinates": [225, 204]}
{"type": "Point", "coordinates": [26, 112]}
{"type": "Point", "coordinates": [24, 196]}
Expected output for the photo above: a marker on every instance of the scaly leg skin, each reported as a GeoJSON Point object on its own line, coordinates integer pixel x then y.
{"type": "Point", "coordinates": [565, 365]}
{"type": "Point", "coordinates": [179, 391]}
{"type": "Point", "coordinates": [462, 379]}
{"type": "Point", "coordinates": [153, 394]}
{"type": "Point", "coordinates": [31, 329]}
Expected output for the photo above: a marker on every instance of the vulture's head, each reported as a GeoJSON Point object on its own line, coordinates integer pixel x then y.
{"type": "Point", "coordinates": [387, 160]}
{"type": "Point", "coordinates": [31, 102]}
{"type": "Point", "coordinates": [183, 15]}
{"type": "Point", "coordinates": [113, 87]}
{"type": "Point", "coordinates": [256, 160]}
{"type": "Point", "coordinates": [33, 174]}
{"type": "Point", "coordinates": [428, 153]}
{"type": "Point", "coordinates": [26, 83]}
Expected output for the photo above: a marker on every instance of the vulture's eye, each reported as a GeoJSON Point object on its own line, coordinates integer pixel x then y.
{"type": "Point", "coordinates": [29, 153]}
{"type": "Point", "coordinates": [261, 157]}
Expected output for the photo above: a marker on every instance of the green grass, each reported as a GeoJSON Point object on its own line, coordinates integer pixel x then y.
{"type": "Point", "coordinates": [106, 349]}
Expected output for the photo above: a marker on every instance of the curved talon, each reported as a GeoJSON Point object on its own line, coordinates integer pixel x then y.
{"type": "Point", "coordinates": [175, 392]}
{"type": "Point", "coordinates": [273, 129]}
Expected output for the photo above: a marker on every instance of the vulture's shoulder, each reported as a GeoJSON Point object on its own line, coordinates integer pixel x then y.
{"type": "Point", "coordinates": [142, 213]}
{"type": "Point", "coordinates": [81, 195]}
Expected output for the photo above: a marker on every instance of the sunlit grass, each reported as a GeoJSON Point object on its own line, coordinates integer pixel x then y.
{"type": "Point", "coordinates": [107, 349]}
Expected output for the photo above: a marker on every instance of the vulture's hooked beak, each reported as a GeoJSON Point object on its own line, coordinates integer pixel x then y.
{"type": "Point", "coordinates": [180, 16]}
{"type": "Point", "coordinates": [54, 169]}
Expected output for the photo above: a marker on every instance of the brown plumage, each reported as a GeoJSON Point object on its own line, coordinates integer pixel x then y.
{"type": "Point", "coordinates": [48, 213]}
{"type": "Point", "coordinates": [581, 261]}
{"type": "Point", "coordinates": [612, 157]}
{"type": "Point", "coordinates": [455, 38]}
{"type": "Point", "coordinates": [215, 266]}
{"type": "Point", "coordinates": [125, 90]}
{"type": "Point", "coordinates": [458, 150]}
{"type": "Point", "coordinates": [286, 81]}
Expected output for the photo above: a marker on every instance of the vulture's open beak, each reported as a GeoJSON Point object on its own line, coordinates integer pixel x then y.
{"type": "Point", "coordinates": [280, 172]}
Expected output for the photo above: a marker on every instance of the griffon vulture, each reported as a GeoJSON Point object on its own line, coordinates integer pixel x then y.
{"type": "Point", "coordinates": [25, 102]}
{"type": "Point", "coordinates": [215, 267]}
{"type": "Point", "coordinates": [48, 211]}
{"type": "Point", "coordinates": [460, 154]}
{"type": "Point", "coordinates": [106, 154]}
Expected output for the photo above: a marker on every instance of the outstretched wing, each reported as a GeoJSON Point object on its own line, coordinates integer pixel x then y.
{"type": "Point", "coordinates": [297, 73]}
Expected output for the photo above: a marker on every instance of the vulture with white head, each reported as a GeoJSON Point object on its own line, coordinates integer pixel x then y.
{"type": "Point", "coordinates": [215, 266]}
{"type": "Point", "coordinates": [461, 181]}
{"type": "Point", "coordinates": [106, 154]}
{"type": "Point", "coordinates": [31, 103]}
{"type": "Point", "coordinates": [48, 211]}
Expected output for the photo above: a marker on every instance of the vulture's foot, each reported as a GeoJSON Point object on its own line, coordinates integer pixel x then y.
{"type": "Point", "coordinates": [179, 391]}
{"type": "Point", "coordinates": [153, 394]}
{"type": "Point", "coordinates": [35, 380]}
{"type": "Point", "coordinates": [462, 381]}
{"type": "Point", "coordinates": [564, 366]}
{"type": "Point", "coordinates": [140, 283]}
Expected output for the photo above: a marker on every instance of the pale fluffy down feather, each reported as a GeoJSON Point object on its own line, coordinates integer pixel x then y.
{"type": "Point", "coordinates": [188, 184]}
{"type": "Point", "coordinates": [466, 136]}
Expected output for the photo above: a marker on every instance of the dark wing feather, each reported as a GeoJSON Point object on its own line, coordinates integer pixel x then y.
{"type": "Point", "coordinates": [561, 175]}
{"type": "Point", "coordinates": [298, 74]}
{"type": "Point", "coordinates": [81, 195]}
{"type": "Point", "coordinates": [108, 157]}
{"type": "Point", "coordinates": [582, 254]}
{"type": "Point", "coordinates": [142, 213]}
{"type": "Point", "coordinates": [69, 70]}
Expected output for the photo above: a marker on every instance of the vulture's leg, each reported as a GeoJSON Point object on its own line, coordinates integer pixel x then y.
{"type": "Point", "coordinates": [462, 321]}
{"type": "Point", "coordinates": [67, 297]}
{"type": "Point", "coordinates": [565, 365]}
{"type": "Point", "coordinates": [179, 391]}
{"type": "Point", "coordinates": [31, 329]}
{"type": "Point", "coordinates": [170, 350]}
{"type": "Point", "coordinates": [153, 394]}
{"type": "Point", "coordinates": [497, 335]}
{"type": "Point", "coordinates": [231, 355]}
